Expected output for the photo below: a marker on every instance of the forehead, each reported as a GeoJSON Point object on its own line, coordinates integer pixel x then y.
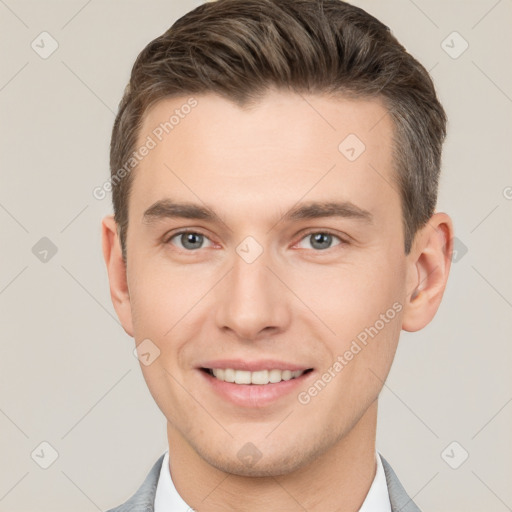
{"type": "Point", "coordinates": [320, 120]}
{"type": "Point", "coordinates": [279, 149]}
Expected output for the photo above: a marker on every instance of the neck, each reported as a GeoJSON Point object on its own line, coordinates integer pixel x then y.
{"type": "Point", "coordinates": [338, 479]}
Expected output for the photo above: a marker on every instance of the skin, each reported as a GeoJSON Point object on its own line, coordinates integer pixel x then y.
{"type": "Point", "coordinates": [294, 303]}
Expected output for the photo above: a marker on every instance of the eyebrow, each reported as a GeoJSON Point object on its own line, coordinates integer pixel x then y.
{"type": "Point", "coordinates": [166, 208]}
{"type": "Point", "coordinates": [319, 209]}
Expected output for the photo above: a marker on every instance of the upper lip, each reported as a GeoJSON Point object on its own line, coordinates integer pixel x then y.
{"type": "Point", "coordinates": [253, 366]}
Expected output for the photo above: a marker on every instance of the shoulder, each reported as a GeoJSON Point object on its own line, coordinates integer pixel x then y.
{"type": "Point", "coordinates": [143, 500]}
{"type": "Point", "coordinates": [399, 499]}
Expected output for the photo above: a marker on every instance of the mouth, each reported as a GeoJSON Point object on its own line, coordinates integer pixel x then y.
{"type": "Point", "coordinates": [257, 378]}
{"type": "Point", "coordinates": [254, 384]}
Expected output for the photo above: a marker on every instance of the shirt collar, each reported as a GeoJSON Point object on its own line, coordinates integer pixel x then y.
{"type": "Point", "coordinates": [167, 498]}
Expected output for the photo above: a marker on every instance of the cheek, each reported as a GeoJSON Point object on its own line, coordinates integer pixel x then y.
{"type": "Point", "coordinates": [363, 305]}
{"type": "Point", "coordinates": [160, 296]}
{"type": "Point", "coordinates": [374, 327]}
{"type": "Point", "coordinates": [352, 297]}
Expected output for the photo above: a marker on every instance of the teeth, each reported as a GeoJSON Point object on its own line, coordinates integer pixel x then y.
{"type": "Point", "coordinates": [286, 375]}
{"type": "Point", "coordinates": [229, 374]}
{"type": "Point", "coordinates": [260, 377]}
{"type": "Point", "coordinates": [242, 377]}
{"type": "Point", "coordinates": [274, 376]}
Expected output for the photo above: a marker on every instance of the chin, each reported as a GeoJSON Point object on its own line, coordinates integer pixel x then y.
{"type": "Point", "coordinates": [249, 461]}
{"type": "Point", "coordinates": [271, 467]}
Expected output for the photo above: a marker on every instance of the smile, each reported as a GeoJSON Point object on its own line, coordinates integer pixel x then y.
{"type": "Point", "coordinates": [261, 377]}
{"type": "Point", "coordinates": [256, 387]}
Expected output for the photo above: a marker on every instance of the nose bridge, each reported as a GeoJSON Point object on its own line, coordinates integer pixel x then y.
{"type": "Point", "coordinates": [251, 299]}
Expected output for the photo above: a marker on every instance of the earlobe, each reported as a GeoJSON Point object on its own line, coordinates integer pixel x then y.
{"type": "Point", "coordinates": [116, 269]}
{"type": "Point", "coordinates": [428, 267]}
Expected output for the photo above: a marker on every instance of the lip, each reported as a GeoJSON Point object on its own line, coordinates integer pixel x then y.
{"type": "Point", "coordinates": [252, 366]}
{"type": "Point", "coordinates": [254, 396]}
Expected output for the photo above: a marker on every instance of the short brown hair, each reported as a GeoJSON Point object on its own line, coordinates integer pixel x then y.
{"type": "Point", "coordinates": [239, 49]}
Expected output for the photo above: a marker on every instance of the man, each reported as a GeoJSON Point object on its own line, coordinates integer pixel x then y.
{"type": "Point", "coordinates": [275, 167]}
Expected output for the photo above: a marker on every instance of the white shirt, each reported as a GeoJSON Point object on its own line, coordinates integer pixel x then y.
{"type": "Point", "coordinates": [167, 498]}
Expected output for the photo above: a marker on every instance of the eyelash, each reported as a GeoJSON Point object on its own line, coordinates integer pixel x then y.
{"type": "Point", "coordinates": [305, 235]}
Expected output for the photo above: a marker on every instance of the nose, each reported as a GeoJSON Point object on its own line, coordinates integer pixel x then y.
{"type": "Point", "coordinates": [252, 302]}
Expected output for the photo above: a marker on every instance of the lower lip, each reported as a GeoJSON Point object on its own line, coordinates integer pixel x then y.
{"type": "Point", "coordinates": [254, 395]}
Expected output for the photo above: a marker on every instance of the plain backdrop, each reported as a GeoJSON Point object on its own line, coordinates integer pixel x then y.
{"type": "Point", "coordinates": [68, 376]}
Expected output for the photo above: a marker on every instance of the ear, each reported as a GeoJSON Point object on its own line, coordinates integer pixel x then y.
{"type": "Point", "coordinates": [116, 269]}
{"type": "Point", "coordinates": [428, 267]}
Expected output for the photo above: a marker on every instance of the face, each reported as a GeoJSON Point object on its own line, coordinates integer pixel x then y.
{"type": "Point", "coordinates": [263, 244]}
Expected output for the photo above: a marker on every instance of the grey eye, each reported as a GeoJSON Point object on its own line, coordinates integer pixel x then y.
{"type": "Point", "coordinates": [321, 240]}
{"type": "Point", "coordinates": [191, 240]}
{"type": "Point", "coordinates": [188, 240]}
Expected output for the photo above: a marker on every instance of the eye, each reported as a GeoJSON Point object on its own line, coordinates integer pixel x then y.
{"type": "Point", "coordinates": [188, 240]}
{"type": "Point", "coordinates": [320, 240]}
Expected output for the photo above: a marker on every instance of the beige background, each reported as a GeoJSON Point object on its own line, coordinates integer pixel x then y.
{"type": "Point", "coordinates": [68, 375]}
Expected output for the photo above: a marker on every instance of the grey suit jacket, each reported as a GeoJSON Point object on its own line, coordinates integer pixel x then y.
{"type": "Point", "coordinates": [143, 499]}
